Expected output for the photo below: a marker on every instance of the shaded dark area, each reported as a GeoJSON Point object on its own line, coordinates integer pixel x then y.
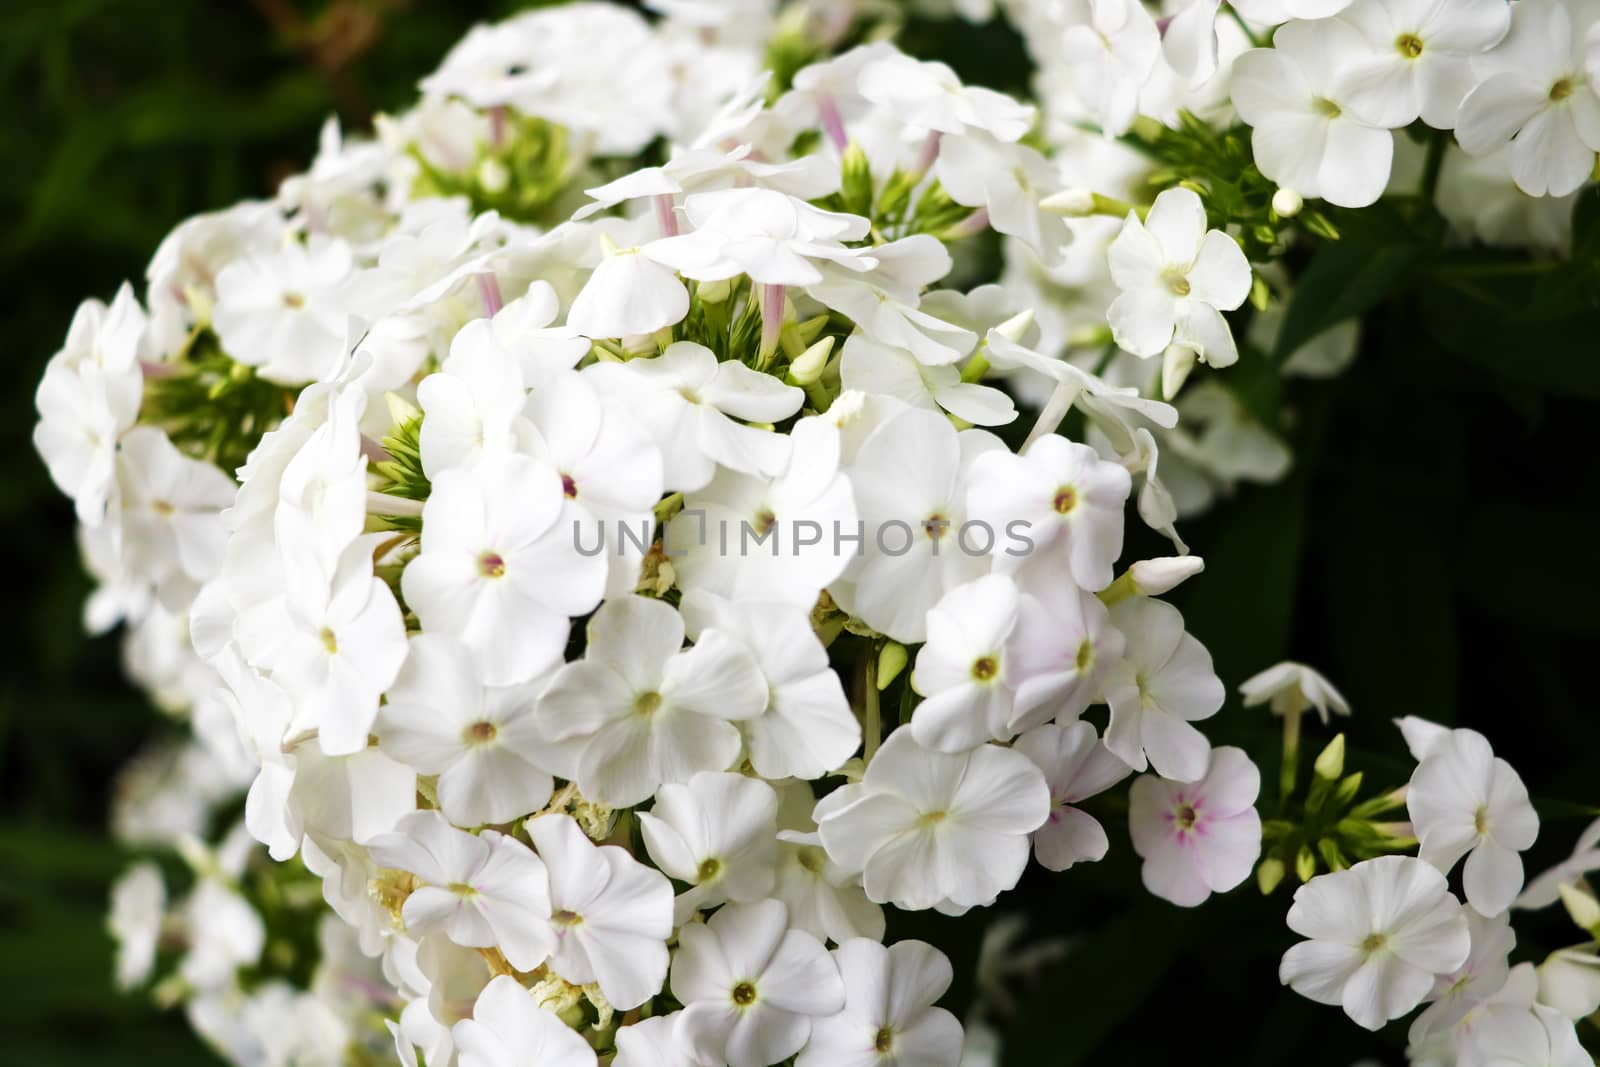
{"type": "Point", "coordinates": [1430, 552]}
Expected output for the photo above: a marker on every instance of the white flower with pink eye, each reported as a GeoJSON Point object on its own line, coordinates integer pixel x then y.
{"type": "Point", "coordinates": [1201, 837]}
{"type": "Point", "coordinates": [498, 570]}
{"type": "Point", "coordinates": [1076, 766]}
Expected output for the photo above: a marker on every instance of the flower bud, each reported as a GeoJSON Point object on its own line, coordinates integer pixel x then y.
{"type": "Point", "coordinates": [1175, 367]}
{"type": "Point", "coordinates": [1305, 864]}
{"type": "Point", "coordinates": [714, 292]}
{"type": "Point", "coordinates": [1330, 763]}
{"type": "Point", "coordinates": [1152, 577]}
{"type": "Point", "coordinates": [1016, 327]}
{"type": "Point", "coordinates": [401, 410]}
{"type": "Point", "coordinates": [808, 367]}
{"type": "Point", "coordinates": [856, 180]}
{"type": "Point", "coordinates": [891, 661]}
{"type": "Point", "coordinates": [1268, 874]}
{"type": "Point", "coordinates": [493, 177]}
{"type": "Point", "coordinates": [1582, 906]}
{"type": "Point", "coordinates": [1287, 203]}
{"type": "Point", "coordinates": [1070, 203]}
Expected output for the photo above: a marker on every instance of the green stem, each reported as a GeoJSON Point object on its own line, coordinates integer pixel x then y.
{"type": "Point", "coordinates": [1255, 42]}
{"type": "Point", "coordinates": [1291, 752]}
{"type": "Point", "coordinates": [872, 717]}
{"type": "Point", "coordinates": [976, 367]}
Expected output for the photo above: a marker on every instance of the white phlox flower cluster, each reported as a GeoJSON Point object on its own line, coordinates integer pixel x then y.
{"type": "Point", "coordinates": [619, 542]}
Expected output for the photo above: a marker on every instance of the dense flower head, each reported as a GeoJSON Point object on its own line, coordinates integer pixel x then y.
{"type": "Point", "coordinates": [617, 537]}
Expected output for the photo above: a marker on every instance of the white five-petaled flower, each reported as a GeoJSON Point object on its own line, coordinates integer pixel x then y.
{"type": "Point", "coordinates": [929, 96]}
{"type": "Point", "coordinates": [1419, 56]}
{"type": "Point", "coordinates": [1076, 767]}
{"type": "Point", "coordinates": [173, 530]}
{"type": "Point", "coordinates": [481, 891]}
{"type": "Point", "coordinates": [1482, 975]}
{"type": "Point", "coordinates": [1466, 801]}
{"type": "Point", "coordinates": [1288, 688]}
{"type": "Point", "coordinates": [824, 899]}
{"type": "Point", "coordinates": [1537, 93]}
{"type": "Point", "coordinates": [1379, 934]}
{"type": "Point", "coordinates": [333, 639]}
{"type": "Point", "coordinates": [629, 294]}
{"type": "Point", "coordinates": [889, 1017]}
{"type": "Point", "coordinates": [1303, 136]}
{"type": "Point", "coordinates": [751, 986]}
{"type": "Point", "coordinates": [497, 570]}
{"type": "Point", "coordinates": [88, 396]}
{"type": "Point", "coordinates": [807, 728]}
{"type": "Point", "coordinates": [777, 538]}
{"type": "Point", "coordinates": [934, 829]}
{"type": "Point", "coordinates": [285, 312]}
{"type": "Point", "coordinates": [1062, 496]}
{"type": "Point", "coordinates": [1163, 684]}
{"type": "Point", "coordinates": [473, 405]}
{"type": "Point", "coordinates": [611, 914]}
{"type": "Point", "coordinates": [770, 236]}
{"type": "Point", "coordinates": [508, 1026]}
{"type": "Point", "coordinates": [687, 402]}
{"type": "Point", "coordinates": [1201, 837]}
{"type": "Point", "coordinates": [646, 710]}
{"type": "Point", "coordinates": [481, 742]}
{"type": "Point", "coordinates": [1065, 645]}
{"type": "Point", "coordinates": [964, 672]}
{"type": "Point", "coordinates": [1176, 277]}
{"type": "Point", "coordinates": [911, 481]}
{"type": "Point", "coordinates": [718, 832]}
{"type": "Point", "coordinates": [610, 473]}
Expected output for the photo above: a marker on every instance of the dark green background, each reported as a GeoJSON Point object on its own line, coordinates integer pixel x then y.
{"type": "Point", "coordinates": [1433, 551]}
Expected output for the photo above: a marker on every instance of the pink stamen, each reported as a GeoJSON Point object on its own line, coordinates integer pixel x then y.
{"type": "Point", "coordinates": [972, 225]}
{"type": "Point", "coordinates": [771, 317]}
{"type": "Point", "coordinates": [157, 370]}
{"type": "Point", "coordinates": [489, 288]}
{"type": "Point", "coordinates": [930, 151]}
{"type": "Point", "coordinates": [832, 122]}
{"type": "Point", "coordinates": [666, 215]}
{"type": "Point", "coordinates": [497, 126]}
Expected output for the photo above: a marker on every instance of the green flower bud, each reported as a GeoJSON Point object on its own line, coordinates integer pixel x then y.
{"type": "Point", "coordinates": [1330, 764]}
{"type": "Point", "coordinates": [1305, 864]}
{"type": "Point", "coordinates": [891, 661]}
{"type": "Point", "coordinates": [1268, 874]}
{"type": "Point", "coordinates": [808, 367]}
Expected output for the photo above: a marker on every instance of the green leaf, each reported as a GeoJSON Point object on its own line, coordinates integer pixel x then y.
{"type": "Point", "coordinates": [1344, 280]}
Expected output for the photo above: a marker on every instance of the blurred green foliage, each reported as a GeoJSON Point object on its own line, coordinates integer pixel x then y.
{"type": "Point", "coordinates": [1430, 550]}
